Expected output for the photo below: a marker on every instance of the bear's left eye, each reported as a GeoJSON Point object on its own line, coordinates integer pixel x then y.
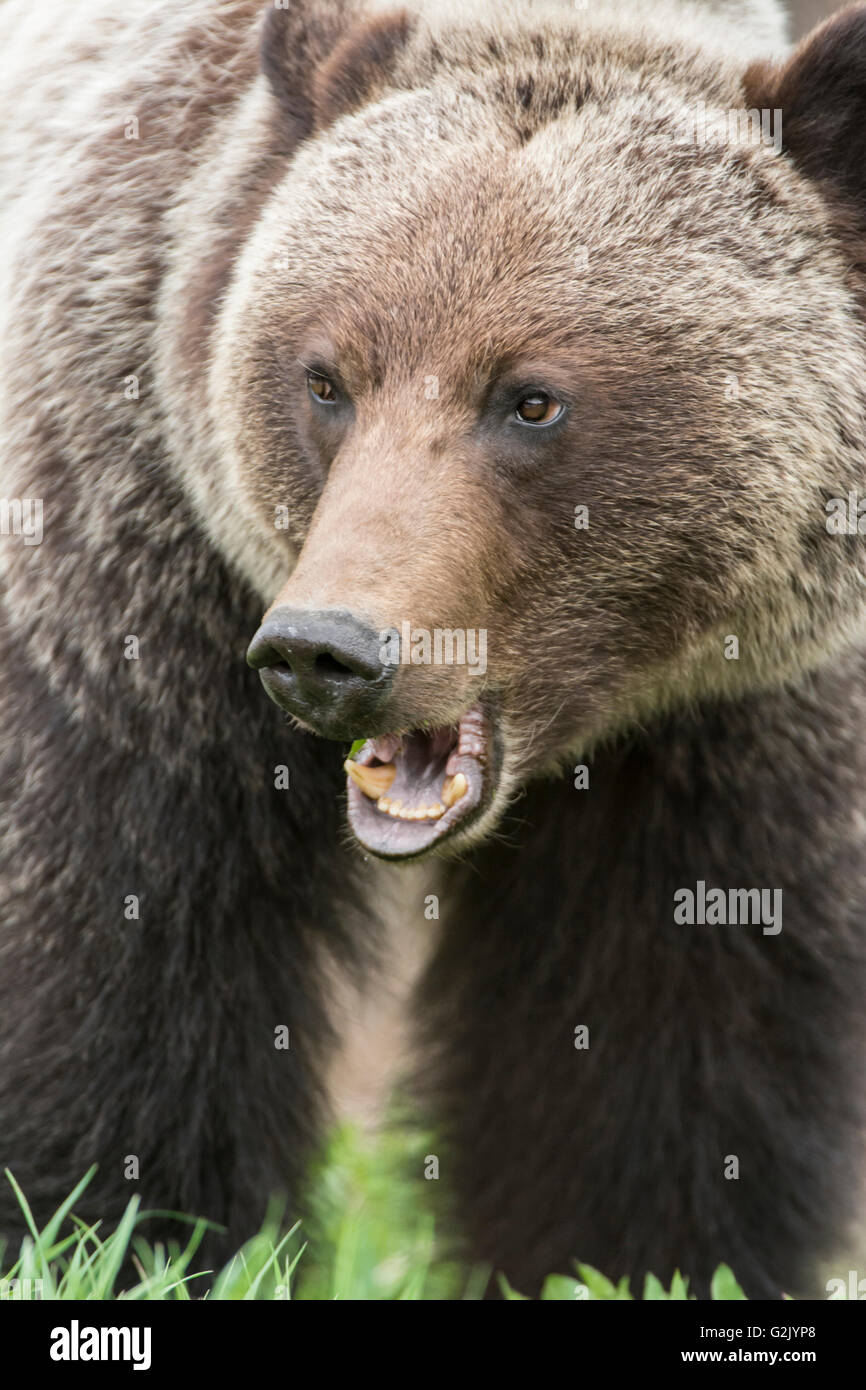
{"type": "Point", "coordinates": [321, 388]}
{"type": "Point", "coordinates": [538, 408]}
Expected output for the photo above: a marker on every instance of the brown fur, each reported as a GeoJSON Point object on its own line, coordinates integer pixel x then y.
{"type": "Point", "coordinates": [358, 66]}
{"type": "Point", "coordinates": [482, 201]}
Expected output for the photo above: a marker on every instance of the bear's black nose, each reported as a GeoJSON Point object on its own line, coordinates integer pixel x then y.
{"type": "Point", "coordinates": [324, 667]}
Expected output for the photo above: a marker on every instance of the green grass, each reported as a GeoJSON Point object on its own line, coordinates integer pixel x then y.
{"type": "Point", "coordinates": [369, 1235]}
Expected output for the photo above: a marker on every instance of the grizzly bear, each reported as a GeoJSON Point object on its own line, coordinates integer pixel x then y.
{"type": "Point", "coordinates": [489, 384]}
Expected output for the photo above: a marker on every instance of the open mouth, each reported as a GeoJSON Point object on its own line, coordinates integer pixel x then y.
{"type": "Point", "coordinates": [408, 792]}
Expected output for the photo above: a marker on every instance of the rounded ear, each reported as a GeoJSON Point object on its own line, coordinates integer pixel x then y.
{"type": "Point", "coordinates": [360, 65]}
{"type": "Point", "coordinates": [323, 59]}
{"type": "Point", "coordinates": [821, 93]}
{"type": "Point", "coordinates": [295, 41]}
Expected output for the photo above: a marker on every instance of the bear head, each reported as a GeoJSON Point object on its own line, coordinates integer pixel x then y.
{"type": "Point", "coordinates": [548, 387]}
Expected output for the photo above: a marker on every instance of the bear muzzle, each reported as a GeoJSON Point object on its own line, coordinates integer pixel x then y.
{"type": "Point", "coordinates": [325, 668]}
{"type": "Point", "coordinates": [406, 792]}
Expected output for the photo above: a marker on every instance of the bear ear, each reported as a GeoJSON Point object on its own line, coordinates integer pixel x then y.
{"type": "Point", "coordinates": [360, 65]}
{"type": "Point", "coordinates": [323, 60]}
{"type": "Point", "coordinates": [821, 93]}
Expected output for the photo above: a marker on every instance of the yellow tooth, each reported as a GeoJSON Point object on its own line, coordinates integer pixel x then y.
{"type": "Point", "coordinates": [373, 781]}
{"type": "Point", "coordinates": [434, 812]}
{"type": "Point", "coordinates": [395, 808]}
{"type": "Point", "coordinates": [383, 803]}
{"type": "Point", "coordinates": [453, 788]}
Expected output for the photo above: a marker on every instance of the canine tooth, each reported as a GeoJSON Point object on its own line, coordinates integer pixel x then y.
{"type": "Point", "coordinates": [453, 788]}
{"type": "Point", "coordinates": [373, 781]}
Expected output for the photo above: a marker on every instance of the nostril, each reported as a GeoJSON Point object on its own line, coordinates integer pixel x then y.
{"type": "Point", "coordinates": [328, 665]}
{"type": "Point", "coordinates": [261, 653]}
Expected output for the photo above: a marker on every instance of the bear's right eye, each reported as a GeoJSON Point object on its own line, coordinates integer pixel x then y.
{"type": "Point", "coordinates": [321, 388]}
{"type": "Point", "coordinates": [538, 408]}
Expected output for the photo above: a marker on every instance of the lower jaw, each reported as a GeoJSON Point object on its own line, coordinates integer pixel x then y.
{"type": "Point", "coordinates": [404, 817]}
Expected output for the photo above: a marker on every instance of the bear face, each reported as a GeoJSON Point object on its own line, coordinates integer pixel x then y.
{"type": "Point", "coordinates": [544, 389]}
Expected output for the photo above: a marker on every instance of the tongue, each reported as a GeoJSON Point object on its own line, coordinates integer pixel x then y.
{"type": "Point", "coordinates": [409, 792]}
{"type": "Point", "coordinates": [386, 748]}
{"type": "Point", "coordinates": [410, 778]}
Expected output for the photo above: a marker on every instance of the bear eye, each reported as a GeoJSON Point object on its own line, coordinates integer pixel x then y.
{"type": "Point", "coordinates": [321, 388]}
{"type": "Point", "coordinates": [538, 408]}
